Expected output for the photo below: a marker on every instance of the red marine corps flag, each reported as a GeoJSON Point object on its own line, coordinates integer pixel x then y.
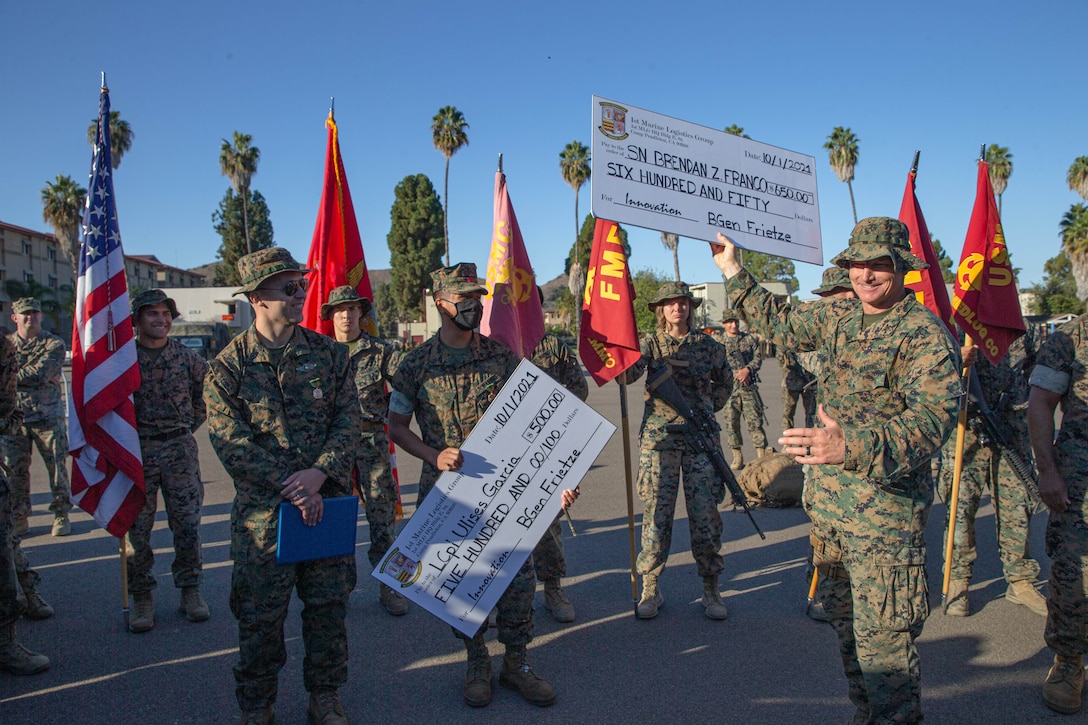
{"type": "Point", "coordinates": [927, 284]}
{"type": "Point", "coordinates": [985, 302]}
{"type": "Point", "coordinates": [608, 341]}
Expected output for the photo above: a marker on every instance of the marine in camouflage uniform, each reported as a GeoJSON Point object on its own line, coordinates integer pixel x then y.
{"type": "Point", "coordinates": [745, 360]}
{"type": "Point", "coordinates": [169, 407]}
{"type": "Point", "coordinates": [891, 385]}
{"type": "Point", "coordinates": [985, 465]}
{"type": "Point", "coordinates": [374, 362]}
{"type": "Point", "coordinates": [556, 359]}
{"type": "Point", "coordinates": [1059, 377]}
{"type": "Point", "coordinates": [797, 385]}
{"type": "Point", "coordinates": [283, 417]}
{"type": "Point", "coordinates": [40, 359]}
{"type": "Point", "coordinates": [447, 383]}
{"type": "Point", "coordinates": [700, 367]}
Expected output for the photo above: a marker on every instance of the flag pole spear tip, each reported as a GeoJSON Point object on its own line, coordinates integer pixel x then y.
{"type": "Point", "coordinates": [332, 105]}
{"type": "Point", "coordinates": [914, 166]}
{"type": "Point", "coordinates": [104, 81]}
{"type": "Point", "coordinates": [500, 163]}
{"type": "Point", "coordinates": [982, 152]}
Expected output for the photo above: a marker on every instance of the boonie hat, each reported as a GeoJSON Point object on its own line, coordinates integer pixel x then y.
{"type": "Point", "coordinates": [153, 297]}
{"type": "Point", "coordinates": [262, 264]}
{"type": "Point", "coordinates": [671, 290]}
{"type": "Point", "coordinates": [459, 279]}
{"type": "Point", "coordinates": [877, 237]}
{"type": "Point", "coordinates": [26, 304]}
{"type": "Point", "coordinates": [833, 278]}
{"type": "Point", "coordinates": [343, 295]}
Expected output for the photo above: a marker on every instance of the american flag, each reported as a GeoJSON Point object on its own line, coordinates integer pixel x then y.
{"type": "Point", "coordinates": [107, 469]}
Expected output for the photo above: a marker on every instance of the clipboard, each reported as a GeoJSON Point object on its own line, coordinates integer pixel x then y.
{"type": "Point", "coordinates": [333, 536]}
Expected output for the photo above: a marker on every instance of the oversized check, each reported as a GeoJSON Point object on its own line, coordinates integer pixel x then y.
{"type": "Point", "coordinates": [661, 173]}
{"type": "Point", "coordinates": [466, 541]}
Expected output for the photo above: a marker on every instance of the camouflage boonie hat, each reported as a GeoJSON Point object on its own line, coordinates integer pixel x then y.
{"type": "Point", "coordinates": [262, 264]}
{"type": "Point", "coordinates": [834, 278]}
{"type": "Point", "coordinates": [341, 296]}
{"type": "Point", "coordinates": [153, 297]}
{"type": "Point", "coordinates": [26, 304]}
{"type": "Point", "coordinates": [459, 279]}
{"type": "Point", "coordinates": [877, 237]}
{"type": "Point", "coordinates": [671, 290]}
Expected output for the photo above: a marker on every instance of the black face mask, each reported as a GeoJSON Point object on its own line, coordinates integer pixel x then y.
{"type": "Point", "coordinates": [469, 314]}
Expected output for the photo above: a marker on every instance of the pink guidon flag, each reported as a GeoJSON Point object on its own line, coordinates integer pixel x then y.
{"type": "Point", "coordinates": [512, 311]}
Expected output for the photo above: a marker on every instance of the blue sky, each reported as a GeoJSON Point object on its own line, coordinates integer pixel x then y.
{"type": "Point", "coordinates": [936, 76]}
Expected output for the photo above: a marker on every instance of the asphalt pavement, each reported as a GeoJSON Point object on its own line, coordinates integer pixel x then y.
{"type": "Point", "coordinates": [767, 663]}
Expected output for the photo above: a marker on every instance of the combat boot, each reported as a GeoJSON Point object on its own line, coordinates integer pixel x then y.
{"type": "Point", "coordinates": [556, 602]}
{"type": "Point", "coordinates": [325, 708]}
{"type": "Point", "coordinates": [17, 659]}
{"type": "Point", "coordinates": [518, 675]}
{"type": "Point", "coordinates": [392, 600]}
{"type": "Point", "coordinates": [958, 605]}
{"type": "Point", "coordinates": [764, 452]}
{"type": "Point", "coordinates": [738, 459]}
{"type": "Point", "coordinates": [142, 617]}
{"type": "Point", "coordinates": [36, 607]}
{"type": "Point", "coordinates": [712, 599]}
{"type": "Point", "coordinates": [261, 716]}
{"type": "Point", "coordinates": [61, 525]}
{"type": "Point", "coordinates": [478, 675]}
{"type": "Point", "coordinates": [652, 599]}
{"type": "Point", "coordinates": [193, 605]}
{"type": "Point", "coordinates": [1024, 592]}
{"type": "Point", "coordinates": [1064, 684]}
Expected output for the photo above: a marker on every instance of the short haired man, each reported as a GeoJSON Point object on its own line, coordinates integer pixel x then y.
{"type": "Point", "coordinates": [745, 360]}
{"type": "Point", "coordinates": [374, 361]}
{"type": "Point", "coordinates": [169, 407]}
{"type": "Point", "coordinates": [283, 418]}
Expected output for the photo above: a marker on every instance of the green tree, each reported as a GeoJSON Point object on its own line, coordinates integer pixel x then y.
{"type": "Point", "coordinates": [238, 162]}
{"type": "Point", "coordinates": [842, 152]}
{"type": "Point", "coordinates": [230, 223]}
{"type": "Point", "coordinates": [574, 162]}
{"type": "Point", "coordinates": [63, 201]}
{"type": "Point", "coordinates": [1000, 162]}
{"type": "Point", "coordinates": [415, 244]}
{"type": "Point", "coordinates": [1074, 234]}
{"type": "Point", "coordinates": [448, 134]}
{"type": "Point", "coordinates": [1057, 294]}
{"type": "Point", "coordinates": [385, 308]}
{"type": "Point", "coordinates": [672, 243]}
{"type": "Point", "coordinates": [646, 282]}
{"type": "Point", "coordinates": [121, 137]}
{"type": "Point", "coordinates": [1078, 176]}
{"type": "Point", "coordinates": [583, 246]}
{"type": "Point", "coordinates": [944, 261]}
{"type": "Point", "coordinates": [769, 268]}
{"type": "Point", "coordinates": [736, 130]}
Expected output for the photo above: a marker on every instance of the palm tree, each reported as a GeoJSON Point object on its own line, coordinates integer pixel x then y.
{"type": "Point", "coordinates": [672, 241]}
{"type": "Point", "coordinates": [1000, 161]}
{"type": "Point", "coordinates": [736, 130]}
{"type": "Point", "coordinates": [448, 133]}
{"type": "Point", "coordinates": [239, 164]}
{"type": "Point", "coordinates": [842, 152]}
{"type": "Point", "coordinates": [1078, 176]}
{"type": "Point", "coordinates": [574, 164]}
{"type": "Point", "coordinates": [63, 202]}
{"type": "Point", "coordinates": [1074, 234]}
{"type": "Point", "coordinates": [121, 136]}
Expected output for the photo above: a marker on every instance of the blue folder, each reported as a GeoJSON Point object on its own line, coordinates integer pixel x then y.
{"type": "Point", "coordinates": [333, 536]}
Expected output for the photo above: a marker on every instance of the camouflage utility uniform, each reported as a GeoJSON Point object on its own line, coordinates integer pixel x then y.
{"type": "Point", "coordinates": [169, 406]}
{"type": "Point", "coordinates": [743, 352]}
{"type": "Point", "coordinates": [40, 361]}
{"type": "Point", "coordinates": [798, 384]}
{"type": "Point", "coordinates": [272, 413]}
{"type": "Point", "coordinates": [892, 383]}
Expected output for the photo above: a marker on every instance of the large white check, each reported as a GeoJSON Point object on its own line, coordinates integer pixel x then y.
{"type": "Point", "coordinates": [662, 173]}
{"type": "Point", "coordinates": [462, 547]}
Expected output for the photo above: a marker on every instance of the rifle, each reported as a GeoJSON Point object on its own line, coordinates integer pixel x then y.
{"type": "Point", "coordinates": [991, 429]}
{"type": "Point", "coordinates": [701, 435]}
{"type": "Point", "coordinates": [752, 385]}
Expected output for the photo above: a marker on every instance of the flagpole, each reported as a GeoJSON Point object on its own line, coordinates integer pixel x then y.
{"type": "Point", "coordinates": [625, 429]}
{"type": "Point", "coordinates": [124, 575]}
{"type": "Point", "coordinates": [954, 496]}
{"type": "Point", "coordinates": [914, 166]}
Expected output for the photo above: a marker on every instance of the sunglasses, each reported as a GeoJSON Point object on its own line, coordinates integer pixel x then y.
{"type": "Point", "coordinates": [291, 287]}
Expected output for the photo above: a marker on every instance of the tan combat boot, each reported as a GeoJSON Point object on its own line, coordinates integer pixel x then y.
{"type": "Point", "coordinates": [393, 601]}
{"type": "Point", "coordinates": [36, 607]}
{"type": "Point", "coordinates": [142, 617]}
{"type": "Point", "coordinates": [556, 602]}
{"type": "Point", "coordinates": [738, 459]}
{"type": "Point", "coordinates": [958, 605]}
{"type": "Point", "coordinates": [712, 599]}
{"type": "Point", "coordinates": [518, 675]}
{"type": "Point", "coordinates": [193, 605]}
{"type": "Point", "coordinates": [652, 599]}
{"type": "Point", "coordinates": [325, 708]}
{"type": "Point", "coordinates": [1024, 592]}
{"type": "Point", "coordinates": [61, 525]}
{"type": "Point", "coordinates": [478, 675]}
{"type": "Point", "coordinates": [768, 451]}
{"type": "Point", "coordinates": [1064, 684]}
{"type": "Point", "coordinates": [17, 659]}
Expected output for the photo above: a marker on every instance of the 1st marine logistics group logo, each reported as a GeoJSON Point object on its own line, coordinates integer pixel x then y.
{"type": "Point", "coordinates": [613, 121]}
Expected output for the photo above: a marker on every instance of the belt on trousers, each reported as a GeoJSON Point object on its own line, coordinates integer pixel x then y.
{"type": "Point", "coordinates": [168, 436]}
